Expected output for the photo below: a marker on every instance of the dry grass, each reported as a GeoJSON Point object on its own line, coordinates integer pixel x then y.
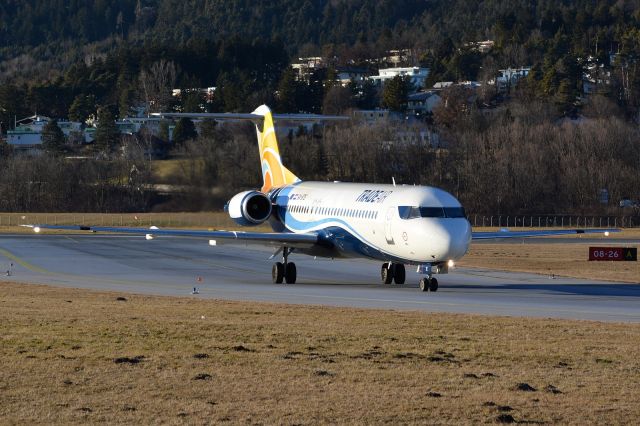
{"type": "Point", "coordinates": [205, 220]}
{"type": "Point", "coordinates": [569, 260]}
{"type": "Point", "coordinates": [265, 363]}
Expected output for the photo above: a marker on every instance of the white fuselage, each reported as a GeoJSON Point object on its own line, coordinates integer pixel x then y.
{"type": "Point", "coordinates": [409, 224]}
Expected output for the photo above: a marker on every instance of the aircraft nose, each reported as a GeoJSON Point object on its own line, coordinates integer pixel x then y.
{"type": "Point", "coordinates": [451, 239]}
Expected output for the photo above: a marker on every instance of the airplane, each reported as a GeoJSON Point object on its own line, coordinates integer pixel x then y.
{"type": "Point", "coordinates": [398, 225]}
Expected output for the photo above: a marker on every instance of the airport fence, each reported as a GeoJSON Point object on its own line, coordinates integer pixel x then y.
{"type": "Point", "coordinates": [553, 221]}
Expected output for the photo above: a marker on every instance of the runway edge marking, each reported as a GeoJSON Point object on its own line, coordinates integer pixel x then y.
{"type": "Point", "coordinates": [23, 263]}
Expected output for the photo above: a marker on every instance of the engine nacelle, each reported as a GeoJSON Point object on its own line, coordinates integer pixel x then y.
{"type": "Point", "coordinates": [249, 208]}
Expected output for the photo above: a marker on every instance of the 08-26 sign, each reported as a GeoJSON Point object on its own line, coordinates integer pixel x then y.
{"type": "Point", "coordinates": [613, 254]}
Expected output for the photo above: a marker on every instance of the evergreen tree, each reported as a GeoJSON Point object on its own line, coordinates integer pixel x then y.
{"type": "Point", "coordinates": [184, 131]}
{"type": "Point", "coordinates": [82, 107]}
{"type": "Point", "coordinates": [288, 91]}
{"type": "Point", "coordinates": [208, 129]}
{"type": "Point", "coordinates": [5, 148]}
{"type": "Point", "coordinates": [52, 138]}
{"type": "Point", "coordinates": [367, 95]}
{"type": "Point", "coordinates": [396, 92]}
{"type": "Point", "coordinates": [12, 104]}
{"type": "Point", "coordinates": [107, 135]}
{"type": "Point", "coordinates": [163, 131]}
{"type": "Point", "coordinates": [126, 100]}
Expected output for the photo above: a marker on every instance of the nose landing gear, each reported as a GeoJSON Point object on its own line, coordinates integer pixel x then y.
{"type": "Point", "coordinates": [284, 271]}
{"type": "Point", "coordinates": [428, 284]}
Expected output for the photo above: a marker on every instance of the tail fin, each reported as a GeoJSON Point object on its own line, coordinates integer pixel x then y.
{"type": "Point", "coordinates": [274, 173]}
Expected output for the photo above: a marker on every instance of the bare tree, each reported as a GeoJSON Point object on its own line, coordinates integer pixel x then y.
{"type": "Point", "coordinates": [156, 85]}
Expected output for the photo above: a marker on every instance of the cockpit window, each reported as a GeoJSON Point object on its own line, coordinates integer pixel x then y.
{"type": "Point", "coordinates": [454, 212]}
{"type": "Point", "coordinates": [412, 212]}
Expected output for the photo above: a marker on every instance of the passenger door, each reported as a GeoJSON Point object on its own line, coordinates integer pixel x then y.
{"type": "Point", "coordinates": [387, 225]}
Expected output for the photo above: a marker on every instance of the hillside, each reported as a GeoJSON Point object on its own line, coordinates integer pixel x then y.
{"type": "Point", "coordinates": [525, 31]}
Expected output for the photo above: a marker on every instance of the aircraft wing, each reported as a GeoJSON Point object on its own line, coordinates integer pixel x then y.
{"type": "Point", "coordinates": [529, 234]}
{"type": "Point", "coordinates": [279, 239]}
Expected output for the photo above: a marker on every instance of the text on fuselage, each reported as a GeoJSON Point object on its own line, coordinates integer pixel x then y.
{"type": "Point", "coordinates": [298, 197]}
{"type": "Point", "coordinates": [373, 196]}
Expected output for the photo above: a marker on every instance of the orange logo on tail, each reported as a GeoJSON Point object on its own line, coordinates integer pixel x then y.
{"type": "Point", "coordinates": [274, 173]}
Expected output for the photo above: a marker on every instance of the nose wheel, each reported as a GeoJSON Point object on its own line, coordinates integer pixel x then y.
{"type": "Point", "coordinates": [284, 271]}
{"type": "Point", "coordinates": [428, 284]}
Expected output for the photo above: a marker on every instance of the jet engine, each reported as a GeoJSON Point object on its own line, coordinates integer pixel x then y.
{"type": "Point", "coordinates": [249, 208]}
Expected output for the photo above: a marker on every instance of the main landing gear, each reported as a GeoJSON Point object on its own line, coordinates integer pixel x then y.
{"type": "Point", "coordinates": [393, 272]}
{"type": "Point", "coordinates": [284, 270]}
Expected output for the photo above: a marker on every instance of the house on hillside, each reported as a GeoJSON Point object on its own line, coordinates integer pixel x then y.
{"type": "Point", "coordinates": [375, 115]}
{"type": "Point", "coordinates": [416, 74]}
{"type": "Point", "coordinates": [348, 74]}
{"type": "Point", "coordinates": [442, 85]}
{"type": "Point", "coordinates": [27, 135]}
{"type": "Point", "coordinates": [508, 78]}
{"type": "Point", "coordinates": [422, 103]}
{"type": "Point", "coordinates": [307, 66]}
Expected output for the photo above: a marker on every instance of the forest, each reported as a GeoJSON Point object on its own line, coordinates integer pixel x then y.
{"type": "Point", "coordinates": [543, 147]}
{"type": "Point", "coordinates": [53, 53]}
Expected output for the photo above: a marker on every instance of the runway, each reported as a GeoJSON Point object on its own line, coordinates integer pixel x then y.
{"type": "Point", "coordinates": [173, 266]}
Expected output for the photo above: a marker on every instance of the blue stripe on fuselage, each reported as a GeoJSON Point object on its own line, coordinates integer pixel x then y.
{"type": "Point", "coordinates": [341, 236]}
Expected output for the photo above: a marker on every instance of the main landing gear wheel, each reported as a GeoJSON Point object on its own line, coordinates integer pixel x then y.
{"type": "Point", "coordinates": [433, 284]}
{"type": "Point", "coordinates": [290, 273]}
{"type": "Point", "coordinates": [284, 271]}
{"type": "Point", "coordinates": [399, 273]}
{"type": "Point", "coordinates": [277, 272]}
{"type": "Point", "coordinates": [386, 272]}
{"type": "Point", "coordinates": [393, 272]}
{"type": "Point", "coordinates": [429, 284]}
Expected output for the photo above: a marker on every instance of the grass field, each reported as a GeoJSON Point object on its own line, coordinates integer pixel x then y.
{"type": "Point", "coordinates": [75, 356]}
{"type": "Point", "coordinates": [568, 260]}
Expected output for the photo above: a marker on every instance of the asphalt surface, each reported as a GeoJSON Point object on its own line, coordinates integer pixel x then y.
{"type": "Point", "coordinates": [174, 266]}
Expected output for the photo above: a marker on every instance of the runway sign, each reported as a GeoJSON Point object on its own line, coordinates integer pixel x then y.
{"type": "Point", "coordinates": [629, 254]}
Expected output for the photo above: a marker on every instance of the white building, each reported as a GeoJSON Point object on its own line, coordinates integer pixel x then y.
{"type": "Point", "coordinates": [416, 74]}
{"type": "Point", "coordinates": [28, 132]}
{"type": "Point", "coordinates": [375, 115]}
{"type": "Point", "coordinates": [307, 66]}
{"type": "Point", "coordinates": [346, 75]}
{"type": "Point", "coordinates": [442, 85]}
{"type": "Point", "coordinates": [481, 46]}
{"type": "Point", "coordinates": [422, 103]}
{"type": "Point", "coordinates": [509, 77]}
